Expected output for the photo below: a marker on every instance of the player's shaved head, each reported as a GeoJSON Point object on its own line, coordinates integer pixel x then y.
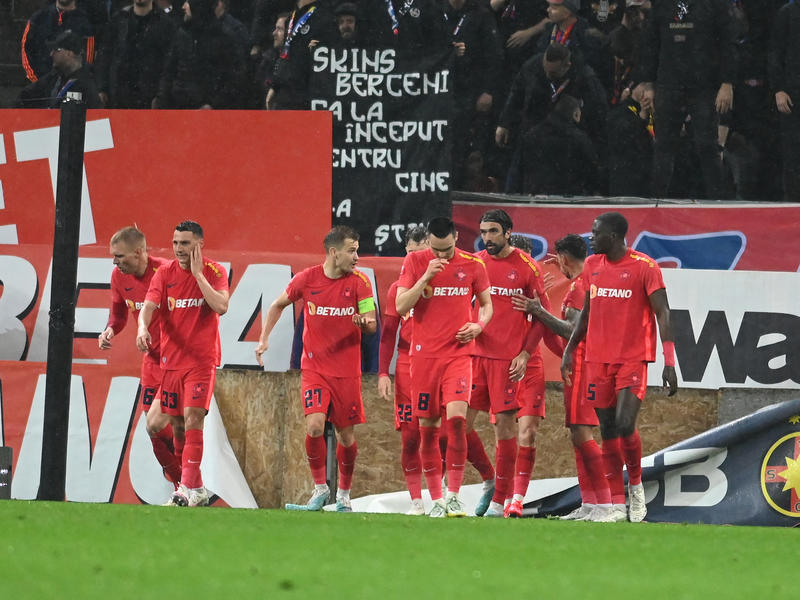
{"type": "Point", "coordinates": [337, 236]}
{"type": "Point", "coordinates": [441, 227]}
{"type": "Point", "coordinates": [572, 244]}
{"type": "Point", "coordinates": [615, 223]}
{"type": "Point", "coordinates": [499, 216]}
{"type": "Point", "coordinates": [130, 236]}
{"type": "Point", "coordinates": [190, 226]}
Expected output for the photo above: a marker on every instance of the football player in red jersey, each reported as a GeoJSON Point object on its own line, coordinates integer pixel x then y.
{"type": "Point", "coordinates": [502, 355]}
{"type": "Point", "coordinates": [439, 284]}
{"type": "Point", "coordinates": [625, 300]}
{"type": "Point", "coordinates": [580, 415]}
{"type": "Point", "coordinates": [189, 293]}
{"type": "Point", "coordinates": [129, 282]}
{"type": "Point", "coordinates": [338, 308]}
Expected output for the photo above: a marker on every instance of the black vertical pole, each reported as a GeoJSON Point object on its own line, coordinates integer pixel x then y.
{"type": "Point", "coordinates": [52, 483]}
{"type": "Point", "coordinates": [331, 462]}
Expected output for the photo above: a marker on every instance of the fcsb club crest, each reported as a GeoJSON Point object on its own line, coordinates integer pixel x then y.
{"type": "Point", "coordinates": [780, 474]}
{"type": "Point", "coordinates": [461, 274]}
{"type": "Point", "coordinates": [513, 275]}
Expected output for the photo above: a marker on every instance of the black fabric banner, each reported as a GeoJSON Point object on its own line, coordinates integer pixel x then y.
{"type": "Point", "coordinates": [742, 473]}
{"type": "Point", "coordinates": [391, 144]}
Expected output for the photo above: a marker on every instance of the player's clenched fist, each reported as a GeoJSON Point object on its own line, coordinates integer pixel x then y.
{"type": "Point", "coordinates": [436, 265]}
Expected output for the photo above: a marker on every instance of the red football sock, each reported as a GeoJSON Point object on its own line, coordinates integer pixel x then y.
{"type": "Point", "coordinates": [593, 463]}
{"type": "Point", "coordinates": [192, 456]}
{"type": "Point", "coordinates": [526, 458]}
{"type": "Point", "coordinates": [162, 448]}
{"type": "Point", "coordinates": [346, 457]}
{"type": "Point", "coordinates": [612, 463]}
{"type": "Point", "coordinates": [456, 452]}
{"type": "Point", "coordinates": [431, 458]}
{"type": "Point", "coordinates": [476, 455]}
{"type": "Point", "coordinates": [443, 448]}
{"type": "Point", "coordinates": [506, 459]}
{"type": "Point", "coordinates": [632, 451]}
{"type": "Point", "coordinates": [177, 445]}
{"type": "Point", "coordinates": [167, 434]}
{"type": "Point", "coordinates": [316, 453]}
{"type": "Point", "coordinates": [410, 461]}
{"type": "Point", "coordinates": [584, 483]}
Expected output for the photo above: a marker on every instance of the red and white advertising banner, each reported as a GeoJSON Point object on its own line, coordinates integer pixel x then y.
{"type": "Point", "coordinates": [259, 183]}
{"type": "Point", "coordinates": [755, 237]}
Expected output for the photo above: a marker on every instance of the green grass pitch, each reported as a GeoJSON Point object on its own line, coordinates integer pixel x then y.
{"type": "Point", "coordinates": [65, 550]}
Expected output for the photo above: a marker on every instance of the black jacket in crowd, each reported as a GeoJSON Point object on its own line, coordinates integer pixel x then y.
{"type": "Point", "coordinates": [419, 25]}
{"type": "Point", "coordinates": [532, 97]}
{"type": "Point", "coordinates": [559, 158]}
{"type": "Point", "coordinates": [203, 67]}
{"type": "Point", "coordinates": [689, 44]}
{"type": "Point", "coordinates": [50, 89]}
{"type": "Point", "coordinates": [44, 25]}
{"type": "Point", "coordinates": [131, 58]}
{"type": "Point", "coordinates": [481, 68]}
{"type": "Point", "coordinates": [784, 52]}
{"type": "Point", "coordinates": [630, 152]}
{"type": "Point", "coordinates": [587, 46]}
{"type": "Point", "coordinates": [290, 78]}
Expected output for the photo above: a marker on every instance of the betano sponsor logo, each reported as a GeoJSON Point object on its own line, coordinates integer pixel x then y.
{"type": "Point", "coordinates": [502, 291]}
{"type": "Point", "coordinates": [445, 290]}
{"type": "Point", "coordinates": [598, 292]}
{"type": "Point", "coordinates": [330, 311]}
{"type": "Point", "coordinates": [174, 303]}
{"type": "Point", "coordinates": [134, 306]}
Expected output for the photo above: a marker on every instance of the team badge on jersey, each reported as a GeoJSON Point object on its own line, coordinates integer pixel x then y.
{"type": "Point", "coordinates": [461, 275]}
{"type": "Point", "coordinates": [780, 474]}
{"type": "Point", "coordinates": [625, 274]}
{"type": "Point", "coordinates": [513, 275]}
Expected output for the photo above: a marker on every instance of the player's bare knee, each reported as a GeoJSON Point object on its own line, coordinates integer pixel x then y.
{"type": "Point", "coordinates": [155, 422]}
{"type": "Point", "coordinates": [506, 426]}
{"type": "Point", "coordinates": [346, 437]}
{"type": "Point", "coordinates": [194, 418]}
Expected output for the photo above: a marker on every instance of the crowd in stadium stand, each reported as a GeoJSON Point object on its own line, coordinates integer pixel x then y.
{"type": "Point", "coordinates": [677, 99]}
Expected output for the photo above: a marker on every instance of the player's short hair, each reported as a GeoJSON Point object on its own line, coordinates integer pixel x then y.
{"type": "Point", "coordinates": [416, 234]}
{"type": "Point", "coordinates": [337, 236]}
{"type": "Point", "coordinates": [130, 236]}
{"type": "Point", "coordinates": [615, 222]}
{"type": "Point", "coordinates": [523, 242]}
{"type": "Point", "coordinates": [572, 244]}
{"type": "Point", "coordinates": [441, 227]}
{"type": "Point", "coordinates": [498, 215]}
{"type": "Point", "coordinates": [190, 226]}
{"type": "Point", "coordinates": [556, 52]}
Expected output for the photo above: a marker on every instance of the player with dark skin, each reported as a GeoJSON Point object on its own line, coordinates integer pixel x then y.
{"type": "Point", "coordinates": [622, 420]}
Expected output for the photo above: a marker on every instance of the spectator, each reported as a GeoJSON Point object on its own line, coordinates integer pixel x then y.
{"type": "Point", "coordinates": [630, 149]}
{"type": "Point", "coordinates": [131, 57]}
{"type": "Point", "coordinates": [265, 14]}
{"type": "Point", "coordinates": [69, 74]}
{"type": "Point", "coordinates": [233, 27]}
{"type": "Point", "coordinates": [204, 63]}
{"type": "Point", "coordinates": [604, 15]}
{"type": "Point", "coordinates": [623, 42]}
{"type": "Point", "coordinates": [409, 26]}
{"type": "Point", "coordinates": [520, 23]}
{"type": "Point", "coordinates": [268, 58]}
{"type": "Point", "coordinates": [557, 156]}
{"type": "Point", "coordinates": [587, 44]}
{"type": "Point", "coordinates": [784, 80]}
{"type": "Point", "coordinates": [688, 67]}
{"type": "Point", "coordinates": [311, 20]}
{"type": "Point", "coordinates": [350, 33]}
{"type": "Point", "coordinates": [537, 88]}
{"type": "Point", "coordinates": [45, 25]}
{"type": "Point", "coordinates": [478, 67]}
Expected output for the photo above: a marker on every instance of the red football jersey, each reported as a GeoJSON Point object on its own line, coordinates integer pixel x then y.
{"type": "Point", "coordinates": [189, 328]}
{"type": "Point", "coordinates": [392, 322]}
{"type": "Point", "coordinates": [331, 342]}
{"type": "Point", "coordinates": [127, 297]}
{"type": "Point", "coordinates": [622, 326]}
{"type": "Point", "coordinates": [518, 273]}
{"type": "Point", "coordinates": [446, 303]}
{"type": "Point", "coordinates": [575, 298]}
